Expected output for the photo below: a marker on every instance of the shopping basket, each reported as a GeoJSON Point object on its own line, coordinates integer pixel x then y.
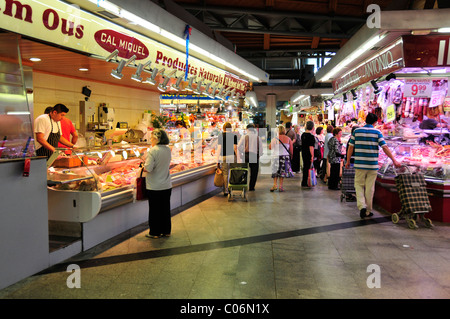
{"type": "Point", "coordinates": [414, 199]}
{"type": "Point", "coordinates": [348, 183]}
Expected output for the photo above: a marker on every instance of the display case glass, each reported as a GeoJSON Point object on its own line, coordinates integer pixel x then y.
{"type": "Point", "coordinates": [16, 126]}
{"type": "Point", "coordinates": [432, 160]}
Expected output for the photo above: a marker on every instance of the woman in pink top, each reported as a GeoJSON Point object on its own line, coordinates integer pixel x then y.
{"type": "Point", "coordinates": [282, 148]}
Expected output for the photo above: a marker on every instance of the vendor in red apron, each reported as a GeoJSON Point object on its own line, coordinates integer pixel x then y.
{"type": "Point", "coordinates": [47, 128]}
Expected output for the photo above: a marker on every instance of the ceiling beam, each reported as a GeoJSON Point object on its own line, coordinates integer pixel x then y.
{"type": "Point", "coordinates": [289, 14]}
{"type": "Point", "coordinates": [290, 33]}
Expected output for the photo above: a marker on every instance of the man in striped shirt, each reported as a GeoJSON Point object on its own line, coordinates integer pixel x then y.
{"type": "Point", "coordinates": [365, 141]}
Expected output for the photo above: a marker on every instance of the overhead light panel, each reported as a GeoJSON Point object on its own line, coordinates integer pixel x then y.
{"type": "Point", "coordinates": [137, 76]}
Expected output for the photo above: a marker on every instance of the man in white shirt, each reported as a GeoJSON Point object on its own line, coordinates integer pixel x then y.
{"type": "Point", "coordinates": [47, 128]}
{"type": "Point", "coordinates": [251, 146]}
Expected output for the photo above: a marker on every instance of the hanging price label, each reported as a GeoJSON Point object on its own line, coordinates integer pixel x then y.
{"type": "Point", "coordinates": [436, 99]}
{"type": "Point", "coordinates": [390, 113]}
{"type": "Point", "coordinates": [447, 104]}
{"type": "Point", "coordinates": [418, 88]}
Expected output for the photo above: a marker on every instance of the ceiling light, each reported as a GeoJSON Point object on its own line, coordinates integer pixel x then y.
{"type": "Point", "coordinates": [207, 88]}
{"type": "Point", "coordinates": [163, 86]}
{"type": "Point", "coordinates": [444, 30]}
{"type": "Point", "coordinates": [112, 55]}
{"type": "Point", "coordinates": [355, 54]}
{"type": "Point", "coordinates": [117, 73]}
{"type": "Point", "coordinates": [151, 79]}
{"type": "Point", "coordinates": [355, 97]}
{"type": "Point", "coordinates": [176, 86]}
{"type": "Point", "coordinates": [375, 87]}
{"type": "Point", "coordinates": [35, 59]}
{"type": "Point", "coordinates": [137, 76]}
{"type": "Point", "coordinates": [191, 80]}
{"type": "Point", "coordinates": [199, 86]}
{"type": "Point", "coordinates": [83, 69]}
{"type": "Point", "coordinates": [345, 97]}
{"type": "Point", "coordinates": [212, 94]}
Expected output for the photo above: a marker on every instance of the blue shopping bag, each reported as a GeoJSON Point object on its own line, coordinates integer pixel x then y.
{"type": "Point", "coordinates": [312, 179]}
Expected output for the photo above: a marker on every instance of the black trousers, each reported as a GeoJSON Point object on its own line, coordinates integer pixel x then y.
{"type": "Point", "coordinates": [333, 180]}
{"type": "Point", "coordinates": [159, 218]}
{"type": "Point", "coordinates": [253, 167]}
{"type": "Point", "coordinates": [306, 167]}
{"type": "Point", "coordinates": [295, 162]}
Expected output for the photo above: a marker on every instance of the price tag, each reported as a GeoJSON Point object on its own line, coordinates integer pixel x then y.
{"type": "Point", "coordinates": [390, 113]}
{"type": "Point", "coordinates": [447, 104]}
{"type": "Point", "coordinates": [418, 88]}
{"type": "Point", "coordinates": [436, 98]}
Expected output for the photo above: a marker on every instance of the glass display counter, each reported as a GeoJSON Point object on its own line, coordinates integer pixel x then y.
{"type": "Point", "coordinates": [84, 183]}
{"type": "Point", "coordinates": [432, 160]}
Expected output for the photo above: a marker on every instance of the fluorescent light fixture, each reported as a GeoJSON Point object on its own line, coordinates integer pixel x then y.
{"type": "Point", "coordinates": [137, 76]}
{"type": "Point", "coordinates": [83, 69]}
{"type": "Point", "coordinates": [443, 30]}
{"type": "Point", "coordinates": [298, 98]}
{"type": "Point", "coordinates": [35, 59]}
{"type": "Point", "coordinates": [176, 86]}
{"type": "Point", "coordinates": [18, 113]}
{"type": "Point", "coordinates": [112, 55]}
{"type": "Point", "coordinates": [251, 98]}
{"type": "Point", "coordinates": [355, 54]}
{"type": "Point", "coordinates": [439, 71]}
{"type": "Point", "coordinates": [117, 73]}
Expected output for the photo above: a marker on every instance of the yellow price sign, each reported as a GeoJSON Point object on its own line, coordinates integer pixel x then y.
{"type": "Point", "coordinates": [390, 113]}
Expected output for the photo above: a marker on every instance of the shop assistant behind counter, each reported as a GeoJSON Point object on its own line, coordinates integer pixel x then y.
{"type": "Point", "coordinates": [47, 128]}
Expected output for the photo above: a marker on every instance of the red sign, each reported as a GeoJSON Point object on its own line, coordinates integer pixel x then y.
{"type": "Point", "coordinates": [127, 46]}
{"type": "Point", "coordinates": [426, 51]}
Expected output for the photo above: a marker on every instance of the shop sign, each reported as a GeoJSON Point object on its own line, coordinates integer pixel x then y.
{"type": "Point", "coordinates": [426, 51]}
{"type": "Point", "coordinates": [385, 62]}
{"type": "Point", "coordinates": [111, 40]}
{"type": "Point", "coordinates": [68, 26]}
{"type": "Point", "coordinates": [418, 88]}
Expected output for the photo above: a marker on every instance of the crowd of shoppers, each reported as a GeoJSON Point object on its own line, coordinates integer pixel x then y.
{"type": "Point", "coordinates": [292, 152]}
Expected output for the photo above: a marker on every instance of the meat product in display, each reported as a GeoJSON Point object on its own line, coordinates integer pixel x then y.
{"type": "Point", "coordinates": [407, 107]}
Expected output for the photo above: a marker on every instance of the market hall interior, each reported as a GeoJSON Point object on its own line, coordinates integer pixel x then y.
{"type": "Point", "coordinates": [298, 244]}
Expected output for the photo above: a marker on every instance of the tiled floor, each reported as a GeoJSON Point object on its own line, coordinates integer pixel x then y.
{"type": "Point", "coordinates": [296, 244]}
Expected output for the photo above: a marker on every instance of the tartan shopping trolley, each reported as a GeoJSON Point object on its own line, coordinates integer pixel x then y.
{"type": "Point", "coordinates": [413, 198]}
{"type": "Point", "coordinates": [348, 183]}
{"type": "Point", "coordinates": [238, 180]}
